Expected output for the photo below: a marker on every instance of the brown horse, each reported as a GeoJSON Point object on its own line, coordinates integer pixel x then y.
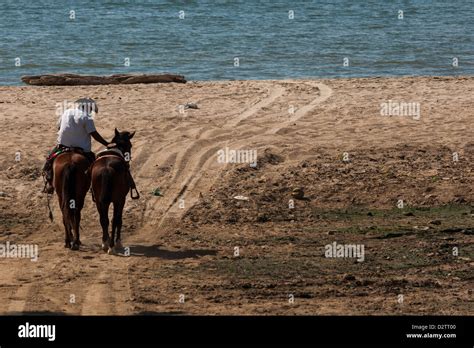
{"type": "Point", "coordinates": [71, 183]}
{"type": "Point", "coordinates": [110, 184]}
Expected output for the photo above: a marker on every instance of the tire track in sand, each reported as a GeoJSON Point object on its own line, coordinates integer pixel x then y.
{"type": "Point", "coordinates": [188, 191]}
{"type": "Point", "coordinates": [191, 156]}
{"type": "Point", "coordinates": [107, 294]}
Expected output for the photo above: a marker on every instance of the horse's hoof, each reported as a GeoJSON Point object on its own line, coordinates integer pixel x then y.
{"type": "Point", "coordinates": [111, 251]}
{"type": "Point", "coordinates": [75, 246]}
{"type": "Point", "coordinates": [105, 246]}
{"type": "Point", "coordinates": [67, 245]}
{"type": "Point", "coordinates": [118, 244]}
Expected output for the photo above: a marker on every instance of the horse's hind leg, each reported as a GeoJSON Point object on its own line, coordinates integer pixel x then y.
{"type": "Point", "coordinates": [77, 222]}
{"type": "Point", "coordinates": [68, 234]}
{"type": "Point", "coordinates": [104, 222]}
{"type": "Point", "coordinates": [117, 223]}
{"type": "Point", "coordinates": [67, 228]}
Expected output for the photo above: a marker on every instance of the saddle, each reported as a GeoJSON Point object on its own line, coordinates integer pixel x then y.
{"type": "Point", "coordinates": [115, 152]}
{"type": "Point", "coordinates": [110, 152]}
{"type": "Point", "coordinates": [60, 149]}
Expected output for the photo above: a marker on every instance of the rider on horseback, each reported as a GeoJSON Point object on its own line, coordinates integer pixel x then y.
{"type": "Point", "coordinates": [76, 126]}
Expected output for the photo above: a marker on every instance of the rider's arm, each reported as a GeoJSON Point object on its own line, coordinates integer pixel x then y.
{"type": "Point", "coordinates": [90, 128]}
{"type": "Point", "coordinates": [98, 137]}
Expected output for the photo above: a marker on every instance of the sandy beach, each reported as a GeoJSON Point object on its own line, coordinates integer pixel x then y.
{"type": "Point", "coordinates": [395, 178]}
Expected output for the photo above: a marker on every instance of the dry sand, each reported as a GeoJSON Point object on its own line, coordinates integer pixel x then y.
{"type": "Point", "coordinates": [190, 251]}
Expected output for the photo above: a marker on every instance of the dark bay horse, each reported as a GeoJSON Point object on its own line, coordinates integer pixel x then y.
{"type": "Point", "coordinates": [110, 185]}
{"type": "Point", "coordinates": [71, 183]}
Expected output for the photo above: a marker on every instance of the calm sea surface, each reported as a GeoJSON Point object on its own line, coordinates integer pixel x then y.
{"type": "Point", "coordinates": [271, 39]}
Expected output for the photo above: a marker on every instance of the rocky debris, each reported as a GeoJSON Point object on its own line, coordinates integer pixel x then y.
{"type": "Point", "coordinates": [298, 193]}
{"type": "Point", "coordinates": [452, 230]}
{"type": "Point", "coordinates": [262, 217]}
{"type": "Point", "coordinates": [348, 277]}
{"type": "Point", "coordinates": [27, 172]}
{"type": "Point", "coordinates": [191, 106]}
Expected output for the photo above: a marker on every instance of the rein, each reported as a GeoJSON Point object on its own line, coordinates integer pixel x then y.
{"type": "Point", "coordinates": [48, 199]}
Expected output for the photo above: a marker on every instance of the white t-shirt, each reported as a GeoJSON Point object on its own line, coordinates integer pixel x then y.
{"type": "Point", "coordinates": [75, 127]}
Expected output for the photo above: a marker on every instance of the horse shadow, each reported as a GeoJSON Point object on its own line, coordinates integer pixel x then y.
{"type": "Point", "coordinates": [156, 251]}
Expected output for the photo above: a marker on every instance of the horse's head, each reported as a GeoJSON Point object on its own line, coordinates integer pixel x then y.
{"type": "Point", "coordinates": [122, 141]}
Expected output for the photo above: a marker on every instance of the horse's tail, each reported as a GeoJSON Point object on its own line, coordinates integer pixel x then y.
{"type": "Point", "coordinates": [106, 187]}
{"type": "Point", "coordinates": [69, 191]}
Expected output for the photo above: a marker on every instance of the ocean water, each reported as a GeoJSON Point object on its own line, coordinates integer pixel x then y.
{"type": "Point", "coordinates": [268, 41]}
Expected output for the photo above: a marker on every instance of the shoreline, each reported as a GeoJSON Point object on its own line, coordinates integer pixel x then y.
{"type": "Point", "coordinates": [363, 78]}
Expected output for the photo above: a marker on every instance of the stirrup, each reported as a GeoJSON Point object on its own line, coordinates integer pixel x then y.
{"type": "Point", "coordinates": [49, 190]}
{"type": "Point", "coordinates": [137, 193]}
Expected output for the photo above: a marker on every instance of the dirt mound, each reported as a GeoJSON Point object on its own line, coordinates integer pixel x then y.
{"type": "Point", "coordinates": [24, 172]}
{"type": "Point", "coordinates": [365, 178]}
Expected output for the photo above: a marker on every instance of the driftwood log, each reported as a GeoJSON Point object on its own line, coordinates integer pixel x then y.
{"type": "Point", "coordinates": [78, 80]}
